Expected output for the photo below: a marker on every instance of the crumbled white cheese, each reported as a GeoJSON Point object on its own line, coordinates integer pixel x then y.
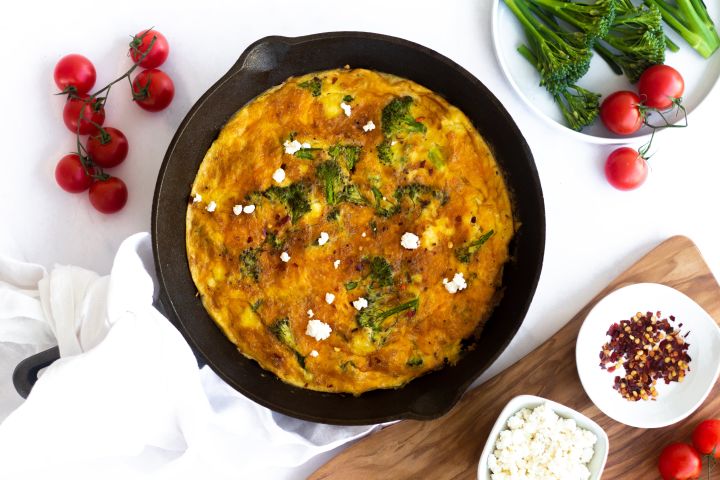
{"type": "Point", "coordinates": [237, 209]}
{"type": "Point", "coordinates": [346, 108]}
{"type": "Point", "coordinates": [360, 303]}
{"type": "Point", "coordinates": [369, 126]}
{"type": "Point", "coordinates": [211, 206]}
{"type": "Point", "coordinates": [393, 142]}
{"type": "Point", "coordinates": [310, 313]}
{"type": "Point", "coordinates": [279, 175]}
{"type": "Point", "coordinates": [336, 264]}
{"type": "Point", "coordinates": [364, 235]}
{"type": "Point", "coordinates": [318, 329]}
{"type": "Point", "coordinates": [249, 208]}
{"type": "Point", "coordinates": [456, 284]}
{"type": "Point", "coordinates": [538, 444]}
{"type": "Point", "coordinates": [324, 237]}
{"type": "Point", "coordinates": [285, 257]}
{"type": "Point", "coordinates": [410, 241]}
{"type": "Point", "coordinates": [197, 198]}
{"type": "Point", "coordinates": [292, 147]}
{"type": "Point", "coordinates": [314, 353]}
{"type": "Point", "coordinates": [329, 297]}
{"type": "Point", "coordinates": [306, 145]}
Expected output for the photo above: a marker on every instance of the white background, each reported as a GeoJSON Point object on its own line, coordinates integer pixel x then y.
{"type": "Point", "coordinates": [593, 231]}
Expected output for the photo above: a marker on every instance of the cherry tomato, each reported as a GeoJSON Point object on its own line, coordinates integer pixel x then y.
{"type": "Point", "coordinates": [74, 73]}
{"type": "Point", "coordinates": [706, 437]}
{"type": "Point", "coordinates": [158, 53]}
{"type": "Point", "coordinates": [660, 85]}
{"type": "Point", "coordinates": [626, 169]}
{"type": "Point", "coordinates": [108, 196]}
{"type": "Point", "coordinates": [620, 113]}
{"type": "Point", "coordinates": [679, 461]}
{"type": "Point", "coordinates": [92, 112]}
{"type": "Point", "coordinates": [153, 90]}
{"type": "Point", "coordinates": [108, 148]}
{"type": "Point", "coordinates": [70, 174]}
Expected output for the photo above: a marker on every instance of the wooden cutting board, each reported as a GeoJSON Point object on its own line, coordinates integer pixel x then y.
{"type": "Point", "coordinates": [449, 447]}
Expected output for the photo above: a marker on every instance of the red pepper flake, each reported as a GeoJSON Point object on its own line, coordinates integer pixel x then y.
{"type": "Point", "coordinates": [649, 349]}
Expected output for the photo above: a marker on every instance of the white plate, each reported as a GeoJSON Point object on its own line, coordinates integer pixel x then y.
{"type": "Point", "coordinates": [674, 401]}
{"type": "Point", "coordinates": [597, 462]}
{"type": "Point", "coordinates": [700, 75]}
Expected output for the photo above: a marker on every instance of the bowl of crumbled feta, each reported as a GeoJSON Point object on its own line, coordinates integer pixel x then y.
{"type": "Point", "coordinates": [536, 438]}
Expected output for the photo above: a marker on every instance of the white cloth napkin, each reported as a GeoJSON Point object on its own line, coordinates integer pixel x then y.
{"type": "Point", "coordinates": [127, 400]}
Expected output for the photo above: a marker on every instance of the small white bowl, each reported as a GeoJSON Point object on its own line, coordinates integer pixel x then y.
{"type": "Point", "coordinates": [674, 401]}
{"type": "Point", "coordinates": [597, 463]}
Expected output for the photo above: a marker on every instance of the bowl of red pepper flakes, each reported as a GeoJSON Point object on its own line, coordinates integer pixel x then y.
{"type": "Point", "coordinates": [646, 369]}
{"type": "Point", "coordinates": [648, 348]}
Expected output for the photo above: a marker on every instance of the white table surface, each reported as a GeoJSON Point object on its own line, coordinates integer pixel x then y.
{"type": "Point", "coordinates": [593, 231]}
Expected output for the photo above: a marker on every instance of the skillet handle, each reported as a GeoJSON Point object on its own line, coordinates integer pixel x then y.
{"type": "Point", "coordinates": [26, 372]}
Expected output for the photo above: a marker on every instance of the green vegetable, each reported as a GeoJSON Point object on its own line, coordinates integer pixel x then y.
{"type": "Point", "coordinates": [396, 118]}
{"type": "Point", "coordinates": [420, 194]}
{"type": "Point", "coordinates": [349, 153]}
{"type": "Point", "coordinates": [314, 86]}
{"type": "Point", "coordinates": [351, 194]}
{"type": "Point", "coordinates": [373, 227]}
{"type": "Point", "coordinates": [381, 274]}
{"type": "Point", "coordinates": [383, 207]}
{"type": "Point", "coordinates": [636, 39]}
{"type": "Point", "coordinates": [348, 98]}
{"type": "Point", "coordinates": [282, 331]}
{"type": "Point", "coordinates": [294, 198]}
{"type": "Point", "coordinates": [436, 157]}
{"type": "Point", "coordinates": [690, 19]}
{"type": "Point", "coordinates": [414, 361]}
{"type": "Point", "coordinates": [594, 18]}
{"type": "Point", "coordinates": [256, 306]}
{"type": "Point", "coordinates": [352, 285]}
{"type": "Point", "coordinates": [330, 175]}
{"type": "Point", "coordinates": [384, 151]}
{"type": "Point", "coordinates": [306, 153]}
{"type": "Point", "coordinates": [333, 215]}
{"type": "Point", "coordinates": [374, 316]}
{"type": "Point", "coordinates": [249, 265]}
{"type": "Point", "coordinates": [466, 252]}
{"type": "Point", "coordinates": [274, 241]}
{"type": "Point", "coordinates": [579, 106]}
{"type": "Point", "coordinates": [563, 57]}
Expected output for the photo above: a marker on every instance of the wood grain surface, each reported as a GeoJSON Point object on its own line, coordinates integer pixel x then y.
{"type": "Point", "coordinates": [449, 447]}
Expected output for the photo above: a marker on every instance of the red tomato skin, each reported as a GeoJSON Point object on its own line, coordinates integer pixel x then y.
{"type": "Point", "coordinates": [160, 91]}
{"type": "Point", "coordinates": [108, 196]}
{"type": "Point", "coordinates": [620, 114]}
{"type": "Point", "coordinates": [70, 174]}
{"type": "Point", "coordinates": [159, 52]}
{"type": "Point", "coordinates": [625, 169]}
{"type": "Point", "coordinates": [706, 437]}
{"type": "Point", "coordinates": [71, 114]}
{"type": "Point", "coordinates": [110, 154]}
{"type": "Point", "coordinates": [660, 85]}
{"type": "Point", "coordinates": [679, 461]}
{"type": "Point", "coordinates": [74, 70]}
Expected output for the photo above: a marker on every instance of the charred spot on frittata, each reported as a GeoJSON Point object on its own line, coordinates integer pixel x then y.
{"type": "Point", "coordinates": [358, 231]}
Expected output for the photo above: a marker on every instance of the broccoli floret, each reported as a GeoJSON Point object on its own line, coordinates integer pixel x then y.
{"type": "Point", "coordinates": [349, 153]}
{"type": "Point", "coordinates": [636, 39]}
{"type": "Point", "coordinates": [420, 194]}
{"type": "Point", "coordinates": [383, 207]}
{"type": "Point", "coordinates": [314, 85]}
{"type": "Point", "coordinates": [593, 19]}
{"type": "Point", "coordinates": [690, 19]}
{"type": "Point", "coordinates": [351, 194]}
{"type": "Point", "coordinates": [294, 198]}
{"type": "Point", "coordinates": [374, 315]}
{"type": "Point", "coordinates": [306, 153]}
{"type": "Point", "coordinates": [467, 251]}
{"type": "Point", "coordinates": [579, 106]}
{"type": "Point", "coordinates": [414, 361]}
{"type": "Point", "coordinates": [396, 118]}
{"type": "Point", "coordinates": [562, 56]}
{"type": "Point", "coordinates": [348, 98]}
{"type": "Point", "coordinates": [436, 157]}
{"type": "Point", "coordinates": [249, 263]}
{"type": "Point", "coordinates": [384, 151]}
{"type": "Point", "coordinates": [381, 274]}
{"type": "Point", "coordinates": [331, 177]}
{"type": "Point", "coordinates": [333, 215]}
{"type": "Point", "coordinates": [274, 241]}
{"type": "Point", "coordinates": [282, 331]}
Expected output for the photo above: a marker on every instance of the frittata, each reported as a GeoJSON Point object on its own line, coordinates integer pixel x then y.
{"type": "Point", "coordinates": [348, 229]}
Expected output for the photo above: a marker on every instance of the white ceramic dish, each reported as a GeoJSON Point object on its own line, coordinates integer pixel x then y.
{"type": "Point", "coordinates": [597, 463]}
{"type": "Point", "coordinates": [700, 76]}
{"type": "Point", "coordinates": [674, 401]}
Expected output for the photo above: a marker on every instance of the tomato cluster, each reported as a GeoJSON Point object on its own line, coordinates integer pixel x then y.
{"type": "Point", "coordinates": [660, 87]}
{"type": "Point", "coordinates": [682, 461]}
{"type": "Point", "coordinates": [84, 114]}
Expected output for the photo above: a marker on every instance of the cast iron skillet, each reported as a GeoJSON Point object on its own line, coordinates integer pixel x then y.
{"type": "Point", "coordinates": [266, 63]}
